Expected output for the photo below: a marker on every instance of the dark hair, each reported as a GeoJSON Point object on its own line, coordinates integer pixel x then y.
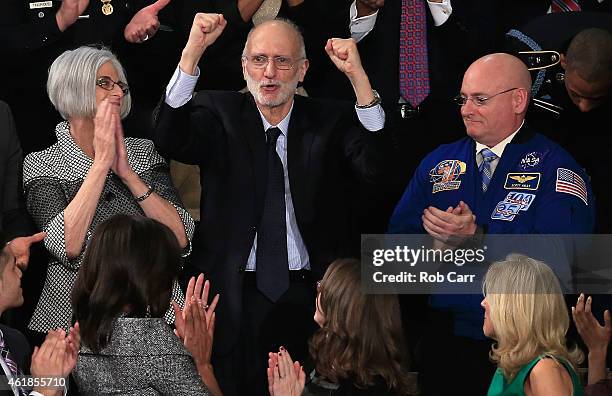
{"type": "Point", "coordinates": [590, 55]}
{"type": "Point", "coordinates": [362, 335]}
{"type": "Point", "coordinates": [128, 269]}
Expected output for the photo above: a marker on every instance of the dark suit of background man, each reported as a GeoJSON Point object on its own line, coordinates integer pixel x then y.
{"type": "Point", "coordinates": [14, 218]}
{"type": "Point", "coordinates": [264, 251]}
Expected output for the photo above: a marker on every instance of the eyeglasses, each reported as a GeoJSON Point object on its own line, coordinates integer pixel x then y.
{"type": "Point", "coordinates": [107, 83]}
{"type": "Point", "coordinates": [280, 62]}
{"type": "Point", "coordinates": [478, 100]}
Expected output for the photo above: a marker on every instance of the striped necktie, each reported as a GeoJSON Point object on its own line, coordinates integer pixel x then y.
{"type": "Point", "coordinates": [413, 62]}
{"type": "Point", "coordinates": [564, 5]}
{"type": "Point", "coordinates": [488, 156]}
{"type": "Point", "coordinates": [10, 362]}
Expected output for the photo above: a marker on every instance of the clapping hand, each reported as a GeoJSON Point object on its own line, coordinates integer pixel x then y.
{"type": "Point", "coordinates": [55, 358]}
{"type": "Point", "coordinates": [285, 377]}
{"type": "Point", "coordinates": [196, 293]}
{"type": "Point", "coordinates": [144, 23]}
{"type": "Point", "coordinates": [69, 12]}
{"type": "Point", "coordinates": [121, 167]}
{"type": "Point", "coordinates": [105, 125]}
{"type": "Point", "coordinates": [595, 336]}
{"type": "Point", "coordinates": [195, 326]}
{"type": "Point", "coordinates": [452, 226]}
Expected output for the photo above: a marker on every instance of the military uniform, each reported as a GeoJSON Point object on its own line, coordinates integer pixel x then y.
{"type": "Point", "coordinates": [584, 135]}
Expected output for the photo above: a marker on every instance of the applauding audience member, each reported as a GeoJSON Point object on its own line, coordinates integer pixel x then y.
{"type": "Point", "coordinates": [57, 355]}
{"type": "Point", "coordinates": [122, 291]}
{"type": "Point", "coordinates": [358, 349]}
{"type": "Point", "coordinates": [526, 315]}
{"type": "Point", "coordinates": [597, 339]}
{"type": "Point", "coordinates": [92, 173]}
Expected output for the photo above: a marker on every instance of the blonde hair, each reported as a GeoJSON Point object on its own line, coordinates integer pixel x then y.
{"type": "Point", "coordinates": [528, 313]}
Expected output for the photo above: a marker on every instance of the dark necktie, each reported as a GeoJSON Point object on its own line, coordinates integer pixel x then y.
{"type": "Point", "coordinates": [413, 67]}
{"type": "Point", "coordinates": [564, 5]}
{"type": "Point", "coordinates": [272, 267]}
{"type": "Point", "coordinates": [10, 362]}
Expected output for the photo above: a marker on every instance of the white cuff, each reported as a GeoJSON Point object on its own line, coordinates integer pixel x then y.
{"type": "Point", "coordinates": [440, 11]}
{"type": "Point", "coordinates": [360, 27]}
{"type": "Point", "coordinates": [372, 118]}
{"type": "Point", "coordinates": [180, 88]}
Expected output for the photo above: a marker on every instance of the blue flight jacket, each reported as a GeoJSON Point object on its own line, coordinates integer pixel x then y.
{"type": "Point", "coordinates": [537, 188]}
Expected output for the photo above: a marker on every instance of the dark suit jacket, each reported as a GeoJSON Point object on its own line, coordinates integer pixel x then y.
{"type": "Point", "coordinates": [14, 220]}
{"type": "Point", "coordinates": [451, 48]}
{"type": "Point", "coordinates": [222, 132]}
{"type": "Point", "coordinates": [20, 351]}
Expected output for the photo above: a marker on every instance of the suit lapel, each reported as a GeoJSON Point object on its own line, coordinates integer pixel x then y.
{"type": "Point", "coordinates": [299, 143]}
{"type": "Point", "coordinates": [254, 133]}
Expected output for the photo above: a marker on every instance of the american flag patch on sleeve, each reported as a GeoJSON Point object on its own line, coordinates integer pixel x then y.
{"type": "Point", "coordinates": [569, 182]}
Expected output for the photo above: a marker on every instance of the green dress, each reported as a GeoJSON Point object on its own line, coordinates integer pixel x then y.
{"type": "Point", "coordinates": [499, 386]}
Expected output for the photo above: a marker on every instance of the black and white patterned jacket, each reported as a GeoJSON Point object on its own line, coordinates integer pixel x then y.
{"type": "Point", "coordinates": [51, 179]}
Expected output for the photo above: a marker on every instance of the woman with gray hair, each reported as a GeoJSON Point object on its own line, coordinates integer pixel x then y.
{"type": "Point", "coordinates": [92, 173]}
{"type": "Point", "coordinates": [526, 314]}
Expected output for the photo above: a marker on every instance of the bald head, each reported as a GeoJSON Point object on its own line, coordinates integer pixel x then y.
{"type": "Point", "coordinates": [503, 70]}
{"type": "Point", "coordinates": [497, 87]}
{"type": "Point", "coordinates": [281, 27]}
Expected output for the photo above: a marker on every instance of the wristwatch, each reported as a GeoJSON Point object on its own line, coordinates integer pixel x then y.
{"type": "Point", "coordinates": [373, 103]}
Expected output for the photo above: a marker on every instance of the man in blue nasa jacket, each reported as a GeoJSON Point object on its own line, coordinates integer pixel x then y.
{"type": "Point", "coordinates": [503, 178]}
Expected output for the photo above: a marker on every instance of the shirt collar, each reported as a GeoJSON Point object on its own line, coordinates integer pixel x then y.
{"type": "Point", "coordinates": [499, 148]}
{"type": "Point", "coordinates": [283, 125]}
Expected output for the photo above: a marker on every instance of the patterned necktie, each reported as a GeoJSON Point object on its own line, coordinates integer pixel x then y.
{"type": "Point", "coordinates": [272, 265]}
{"type": "Point", "coordinates": [413, 63]}
{"type": "Point", "coordinates": [10, 362]}
{"type": "Point", "coordinates": [564, 5]}
{"type": "Point", "coordinates": [486, 173]}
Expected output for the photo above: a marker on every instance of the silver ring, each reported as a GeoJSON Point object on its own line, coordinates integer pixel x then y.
{"type": "Point", "coordinates": [205, 306]}
{"type": "Point", "coordinates": [146, 38]}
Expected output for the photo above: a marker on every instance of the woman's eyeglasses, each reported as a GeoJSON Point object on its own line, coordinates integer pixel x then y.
{"type": "Point", "coordinates": [107, 83]}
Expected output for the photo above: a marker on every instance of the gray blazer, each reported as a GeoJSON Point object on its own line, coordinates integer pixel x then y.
{"type": "Point", "coordinates": [143, 357]}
